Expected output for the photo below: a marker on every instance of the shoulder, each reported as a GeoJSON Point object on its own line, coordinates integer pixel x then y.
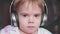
{"type": "Point", "coordinates": [44, 31]}
{"type": "Point", "coordinates": [8, 29]}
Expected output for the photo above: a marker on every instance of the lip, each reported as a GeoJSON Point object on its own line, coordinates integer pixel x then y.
{"type": "Point", "coordinates": [31, 27]}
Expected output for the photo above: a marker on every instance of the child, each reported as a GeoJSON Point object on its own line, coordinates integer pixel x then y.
{"type": "Point", "coordinates": [29, 14]}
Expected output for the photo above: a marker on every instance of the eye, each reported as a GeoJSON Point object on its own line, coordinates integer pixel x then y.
{"type": "Point", "coordinates": [37, 15]}
{"type": "Point", "coordinates": [25, 15]}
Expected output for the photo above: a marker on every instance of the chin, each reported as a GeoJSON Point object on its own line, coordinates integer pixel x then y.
{"type": "Point", "coordinates": [31, 31]}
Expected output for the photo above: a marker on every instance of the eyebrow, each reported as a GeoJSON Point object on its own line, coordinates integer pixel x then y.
{"type": "Point", "coordinates": [28, 14]}
{"type": "Point", "coordinates": [24, 13]}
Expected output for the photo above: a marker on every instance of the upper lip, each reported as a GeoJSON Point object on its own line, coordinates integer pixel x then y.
{"type": "Point", "coordinates": [30, 26]}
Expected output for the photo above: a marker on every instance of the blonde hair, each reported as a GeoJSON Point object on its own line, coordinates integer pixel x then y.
{"type": "Point", "coordinates": [18, 3]}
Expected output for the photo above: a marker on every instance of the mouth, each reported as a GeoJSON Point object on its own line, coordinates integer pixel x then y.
{"type": "Point", "coordinates": [30, 27]}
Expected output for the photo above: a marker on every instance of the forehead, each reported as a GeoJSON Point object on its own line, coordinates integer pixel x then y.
{"type": "Point", "coordinates": [29, 8]}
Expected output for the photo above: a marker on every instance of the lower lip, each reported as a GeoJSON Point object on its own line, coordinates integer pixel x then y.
{"type": "Point", "coordinates": [31, 27]}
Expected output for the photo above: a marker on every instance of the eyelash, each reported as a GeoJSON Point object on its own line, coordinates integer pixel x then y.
{"type": "Point", "coordinates": [34, 15]}
{"type": "Point", "coordinates": [24, 15]}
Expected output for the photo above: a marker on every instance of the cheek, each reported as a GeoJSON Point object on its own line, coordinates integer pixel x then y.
{"type": "Point", "coordinates": [38, 21]}
{"type": "Point", "coordinates": [22, 21]}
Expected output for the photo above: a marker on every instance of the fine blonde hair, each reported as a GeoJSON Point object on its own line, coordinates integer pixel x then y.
{"type": "Point", "coordinates": [18, 3]}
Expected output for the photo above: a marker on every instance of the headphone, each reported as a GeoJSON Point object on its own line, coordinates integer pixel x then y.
{"type": "Point", "coordinates": [14, 16]}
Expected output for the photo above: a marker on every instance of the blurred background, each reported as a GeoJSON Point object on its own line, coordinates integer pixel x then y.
{"type": "Point", "coordinates": [52, 23]}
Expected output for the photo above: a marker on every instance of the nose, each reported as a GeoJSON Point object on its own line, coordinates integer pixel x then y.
{"type": "Point", "coordinates": [31, 20]}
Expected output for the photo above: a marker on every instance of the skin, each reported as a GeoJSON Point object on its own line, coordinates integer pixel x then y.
{"type": "Point", "coordinates": [29, 15]}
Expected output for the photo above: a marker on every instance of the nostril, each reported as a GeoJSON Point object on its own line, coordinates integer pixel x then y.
{"type": "Point", "coordinates": [31, 20]}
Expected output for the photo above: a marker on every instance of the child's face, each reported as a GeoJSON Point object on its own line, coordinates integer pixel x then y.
{"type": "Point", "coordinates": [29, 18]}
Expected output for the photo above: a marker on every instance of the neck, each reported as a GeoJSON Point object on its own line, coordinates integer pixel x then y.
{"type": "Point", "coordinates": [22, 32]}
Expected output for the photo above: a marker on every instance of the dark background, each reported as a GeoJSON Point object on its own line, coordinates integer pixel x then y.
{"type": "Point", "coordinates": [53, 22]}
